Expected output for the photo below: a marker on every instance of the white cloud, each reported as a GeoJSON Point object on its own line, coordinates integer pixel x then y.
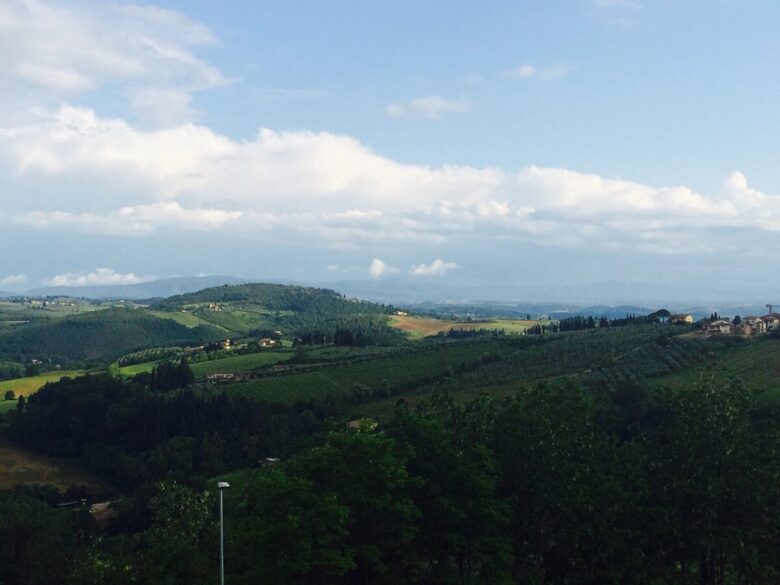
{"type": "Point", "coordinates": [379, 268]}
{"type": "Point", "coordinates": [51, 49]}
{"type": "Point", "coordinates": [432, 106]}
{"type": "Point", "coordinates": [135, 220]}
{"type": "Point", "coordinates": [522, 72]}
{"type": "Point", "coordinates": [436, 268]}
{"type": "Point", "coordinates": [162, 107]}
{"type": "Point", "coordinates": [96, 277]}
{"type": "Point", "coordinates": [334, 189]}
{"type": "Point", "coordinates": [531, 72]}
{"type": "Point", "coordinates": [12, 279]}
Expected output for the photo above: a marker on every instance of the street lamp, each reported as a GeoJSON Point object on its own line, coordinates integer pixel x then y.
{"type": "Point", "coordinates": [222, 485]}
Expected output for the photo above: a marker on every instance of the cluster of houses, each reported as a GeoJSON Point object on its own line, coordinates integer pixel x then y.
{"type": "Point", "coordinates": [747, 326]}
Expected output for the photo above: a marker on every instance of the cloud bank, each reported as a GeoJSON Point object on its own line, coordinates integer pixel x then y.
{"type": "Point", "coordinates": [96, 277]}
{"type": "Point", "coordinates": [334, 188]}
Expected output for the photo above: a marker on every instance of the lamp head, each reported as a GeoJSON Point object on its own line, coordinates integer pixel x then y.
{"type": "Point", "coordinates": [222, 485]}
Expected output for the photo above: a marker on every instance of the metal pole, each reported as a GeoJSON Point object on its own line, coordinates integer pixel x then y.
{"type": "Point", "coordinates": [221, 541]}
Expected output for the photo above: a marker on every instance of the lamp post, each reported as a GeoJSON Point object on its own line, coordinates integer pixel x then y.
{"type": "Point", "coordinates": [222, 485]}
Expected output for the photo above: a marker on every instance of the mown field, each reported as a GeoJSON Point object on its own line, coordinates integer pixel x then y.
{"type": "Point", "coordinates": [19, 466]}
{"type": "Point", "coordinates": [30, 385]}
{"type": "Point", "coordinates": [420, 327]}
{"type": "Point", "coordinates": [135, 369]}
{"type": "Point", "coordinates": [236, 319]}
{"type": "Point", "coordinates": [389, 374]}
{"type": "Point", "coordinates": [184, 318]}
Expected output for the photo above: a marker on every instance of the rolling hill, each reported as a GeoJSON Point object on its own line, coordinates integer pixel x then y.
{"type": "Point", "coordinates": [97, 336]}
{"type": "Point", "coordinates": [274, 297]}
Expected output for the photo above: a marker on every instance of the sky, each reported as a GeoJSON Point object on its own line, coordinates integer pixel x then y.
{"type": "Point", "coordinates": [517, 145]}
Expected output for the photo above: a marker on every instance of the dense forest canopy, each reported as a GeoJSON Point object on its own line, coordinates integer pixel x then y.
{"type": "Point", "coordinates": [97, 336]}
{"type": "Point", "coordinates": [556, 484]}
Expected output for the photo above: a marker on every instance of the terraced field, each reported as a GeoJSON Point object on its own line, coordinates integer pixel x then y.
{"type": "Point", "coordinates": [392, 373]}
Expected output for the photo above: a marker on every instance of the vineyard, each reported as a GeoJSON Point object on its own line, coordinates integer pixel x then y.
{"type": "Point", "coordinates": [239, 363]}
{"type": "Point", "coordinates": [654, 360]}
{"type": "Point", "coordinates": [756, 363]}
{"type": "Point", "coordinates": [378, 377]}
{"type": "Point", "coordinates": [541, 357]}
{"type": "Point", "coordinates": [154, 354]}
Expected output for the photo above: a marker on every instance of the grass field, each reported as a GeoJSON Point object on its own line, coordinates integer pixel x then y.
{"type": "Point", "coordinates": [236, 319]}
{"type": "Point", "coordinates": [184, 318]}
{"type": "Point", "coordinates": [135, 369]}
{"type": "Point", "coordinates": [239, 363]}
{"type": "Point", "coordinates": [398, 372]}
{"type": "Point", "coordinates": [419, 327]}
{"type": "Point", "coordinates": [30, 385]}
{"type": "Point", "coordinates": [18, 466]}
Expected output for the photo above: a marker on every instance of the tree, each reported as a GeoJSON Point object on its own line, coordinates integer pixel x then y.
{"type": "Point", "coordinates": [36, 541]}
{"type": "Point", "coordinates": [463, 535]}
{"type": "Point", "coordinates": [365, 472]}
{"type": "Point", "coordinates": [175, 545]}
{"type": "Point", "coordinates": [290, 532]}
{"type": "Point", "coordinates": [10, 395]}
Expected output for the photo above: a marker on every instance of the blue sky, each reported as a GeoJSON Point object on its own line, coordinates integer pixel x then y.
{"type": "Point", "coordinates": [449, 143]}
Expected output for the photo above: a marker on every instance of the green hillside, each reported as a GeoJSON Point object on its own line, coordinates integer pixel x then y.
{"type": "Point", "coordinates": [274, 297]}
{"type": "Point", "coordinates": [294, 310]}
{"type": "Point", "coordinates": [755, 362]}
{"type": "Point", "coordinates": [97, 336]}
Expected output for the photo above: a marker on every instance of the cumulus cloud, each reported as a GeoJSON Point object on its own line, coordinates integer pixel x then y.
{"type": "Point", "coordinates": [436, 268]}
{"type": "Point", "coordinates": [432, 107]}
{"type": "Point", "coordinates": [531, 72]}
{"type": "Point", "coordinates": [54, 49]}
{"type": "Point", "coordinates": [136, 220]}
{"type": "Point", "coordinates": [13, 279]}
{"type": "Point", "coordinates": [335, 189]}
{"type": "Point", "coordinates": [96, 277]}
{"type": "Point", "coordinates": [378, 268]}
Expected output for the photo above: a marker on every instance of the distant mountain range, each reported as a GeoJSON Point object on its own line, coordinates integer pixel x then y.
{"type": "Point", "coordinates": [166, 287]}
{"type": "Point", "coordinates": [613, 299]}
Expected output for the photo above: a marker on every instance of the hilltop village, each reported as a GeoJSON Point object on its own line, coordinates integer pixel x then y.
{"type": "Point", "coordinates": [744, 326]}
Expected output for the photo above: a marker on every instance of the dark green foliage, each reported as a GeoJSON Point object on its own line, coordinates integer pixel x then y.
{"type": "Point", "coordinates": [557, 485]}
{"type": "Point", "coordinates": [11, 370]}
{"type": "Point", "coordinates": [97, 336]}
{"type": "Point", "coordinates": [168, 376]}
{"type": "Point", "coordinates": [130, 435]}
{"type": "Point", "coordinates": [37, 542]}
